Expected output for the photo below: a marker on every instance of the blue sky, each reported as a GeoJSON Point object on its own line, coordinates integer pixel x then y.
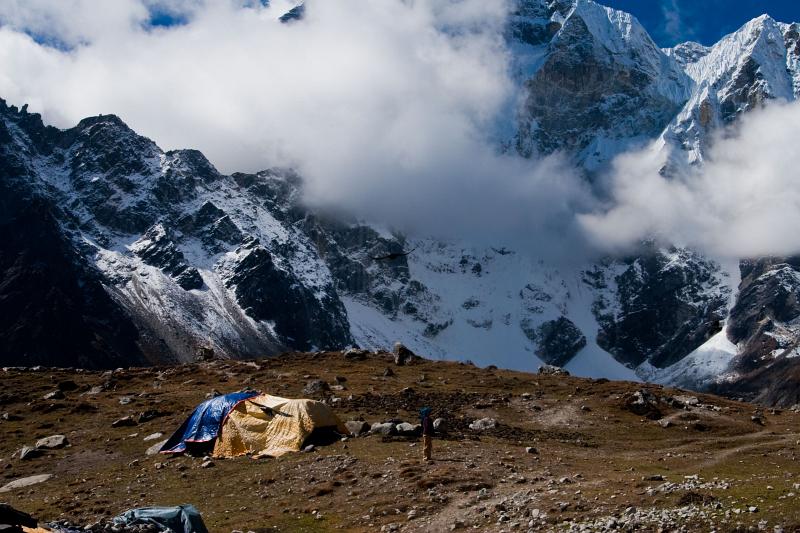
{"type": "Point", "coordinates": [673, 21]}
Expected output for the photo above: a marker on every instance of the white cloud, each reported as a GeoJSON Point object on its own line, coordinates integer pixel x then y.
{"type": "Point", "coordinates": [744, 202]}
{"type": "Point", "coordinates": [384, 106]}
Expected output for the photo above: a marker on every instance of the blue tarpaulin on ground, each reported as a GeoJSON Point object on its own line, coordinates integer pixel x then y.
{"type": "Point", "coordinates": [204, 424]}
{"type": "Point", "coordinates": [178, 519]}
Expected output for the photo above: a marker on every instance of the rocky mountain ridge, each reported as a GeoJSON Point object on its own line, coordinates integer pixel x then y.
{"type": "Point", "coordinates": [120, 253]}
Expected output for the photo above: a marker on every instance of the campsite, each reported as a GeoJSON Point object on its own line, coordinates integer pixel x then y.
{"type": "Point", "coordinates": [539, 452]}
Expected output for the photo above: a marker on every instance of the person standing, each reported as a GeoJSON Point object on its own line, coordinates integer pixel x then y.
{"type": "Point", "coordinates": [427, 432]}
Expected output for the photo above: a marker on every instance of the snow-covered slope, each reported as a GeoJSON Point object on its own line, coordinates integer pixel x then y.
{"type": "Point", "coordinates": [755, 64]}
{"type": "Point", "coordinates": [152, 255]}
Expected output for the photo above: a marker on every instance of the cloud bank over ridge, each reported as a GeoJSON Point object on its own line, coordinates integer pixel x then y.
{"type": "Point", "coordinates": [386, 108]}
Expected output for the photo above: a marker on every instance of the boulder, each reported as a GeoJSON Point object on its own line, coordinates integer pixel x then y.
{"type": "Point", "coordinates": [382, 428]}
{"type": "Point", "coordinates": [316, 387]}
{"type": "Point", "coordinates": [440, 425]}
{"type": "Point", "coordinates": [551, 370]}
{"type": "Point", "coordinates": [406, 429]}
{"type": "Point", "coordinates": [355, 354]}
{"type": "Point", "coordinates": [357, 427]}
{"type": "Point", "coordinates": [401, 354]}
{"type": "Point", "coordinates": [52, 442]}
{"type": "Point", "coordinates": [28, 452]}
{"type": "Point", "coordinates": [643, 403]}
{"type": "Point", "coordinates": [25, 482]}
{"type": "Point", "coordinates": [483, 424]}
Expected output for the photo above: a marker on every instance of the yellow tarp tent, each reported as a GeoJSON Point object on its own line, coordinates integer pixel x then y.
{"type": "Point", "coordinates": [268, 425]}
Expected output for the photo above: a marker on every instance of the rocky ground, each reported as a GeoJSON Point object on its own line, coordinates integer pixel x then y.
{"type": "Point", "coordinates": [565, 453]}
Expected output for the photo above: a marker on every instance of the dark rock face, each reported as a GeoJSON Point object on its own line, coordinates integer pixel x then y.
{"type": "Point", "coordinates": [53, 307]}
{"type": "Point", "coordinates": [156, 249]}
{"type": "Point", "coordinates": [666, 304]}
{"type": "Point", "coordinates": [764, 324]}
{"type": "Point", "coordinates": [558, 341]}
{"type": "Point", "coordinates": [66, 301]}
{"type": "Point", "coordinates": [269, 293]}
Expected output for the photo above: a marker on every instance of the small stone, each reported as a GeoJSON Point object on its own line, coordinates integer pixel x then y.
{"type": "Point", "coordinates": [125, 400]}
{"type": "Point", "coordinates": [440, 425]}
{"type": "Point", "coordinates": [153, 436]}
{"type": "Point", "coordinates": [125, 421]}
{"type": "Point", "coordinates": [531, 449]}
{"type": "Point", "coordinates": [310, 448]}
{"type": "Point", "coordinates": [55, 395]}
{"type": "Point", "coordinates": [155, 448]}
{"type": "Point", "coordinates": [207, 464]}
{"type": "Point", "coordinates": [388, 372]}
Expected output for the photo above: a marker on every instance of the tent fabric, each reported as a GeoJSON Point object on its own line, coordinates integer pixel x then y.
{"type": "Point", "coordinates": [204, 423]}
{"type": "Point", "coordinates": [179, 519]}
{"type": "Point", "coordinates": [268, 425]}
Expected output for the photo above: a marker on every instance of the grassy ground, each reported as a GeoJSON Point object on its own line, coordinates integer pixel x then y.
{"type": "Point", "coordinates": [595, 461]}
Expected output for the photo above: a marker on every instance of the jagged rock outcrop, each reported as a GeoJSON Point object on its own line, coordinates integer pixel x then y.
{"type": "Point", "coordinates": [659, 306]}
{"type": "Point", "coordinates": [558, 341]}
{"type": "Point", "coordinates": [602, 85]}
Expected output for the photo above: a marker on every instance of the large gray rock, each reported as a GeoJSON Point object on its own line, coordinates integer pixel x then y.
{"type": "Point", "coordinates": [29, 452]}
{"type": "Point", "coordinates": [406, 429]}
{"type": "Point", "coordinates": [383, 428]}
{"type": "Point", "coordinates": [25, 482]}
{"type": "Point", "coordinates": [440, 425]}
{"type": "Point", "coordinates": [53, 441]}
{"type": "Point", "coordinates": [483, 424]}
{"type": "Point", "coordinates": [401, 354]}
{"type": "Point", "coordinates": [643, 403]}
{"type": "Point", "coordinates": [357, 427]}
{"type": "Point", "coordinates": [316, 387]}
{"type": "Point", "coordinates": [550, 370]}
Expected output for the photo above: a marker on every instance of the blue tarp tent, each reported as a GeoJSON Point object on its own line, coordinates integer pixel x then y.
{"type": "Point", "coordinates": [204, 423]}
